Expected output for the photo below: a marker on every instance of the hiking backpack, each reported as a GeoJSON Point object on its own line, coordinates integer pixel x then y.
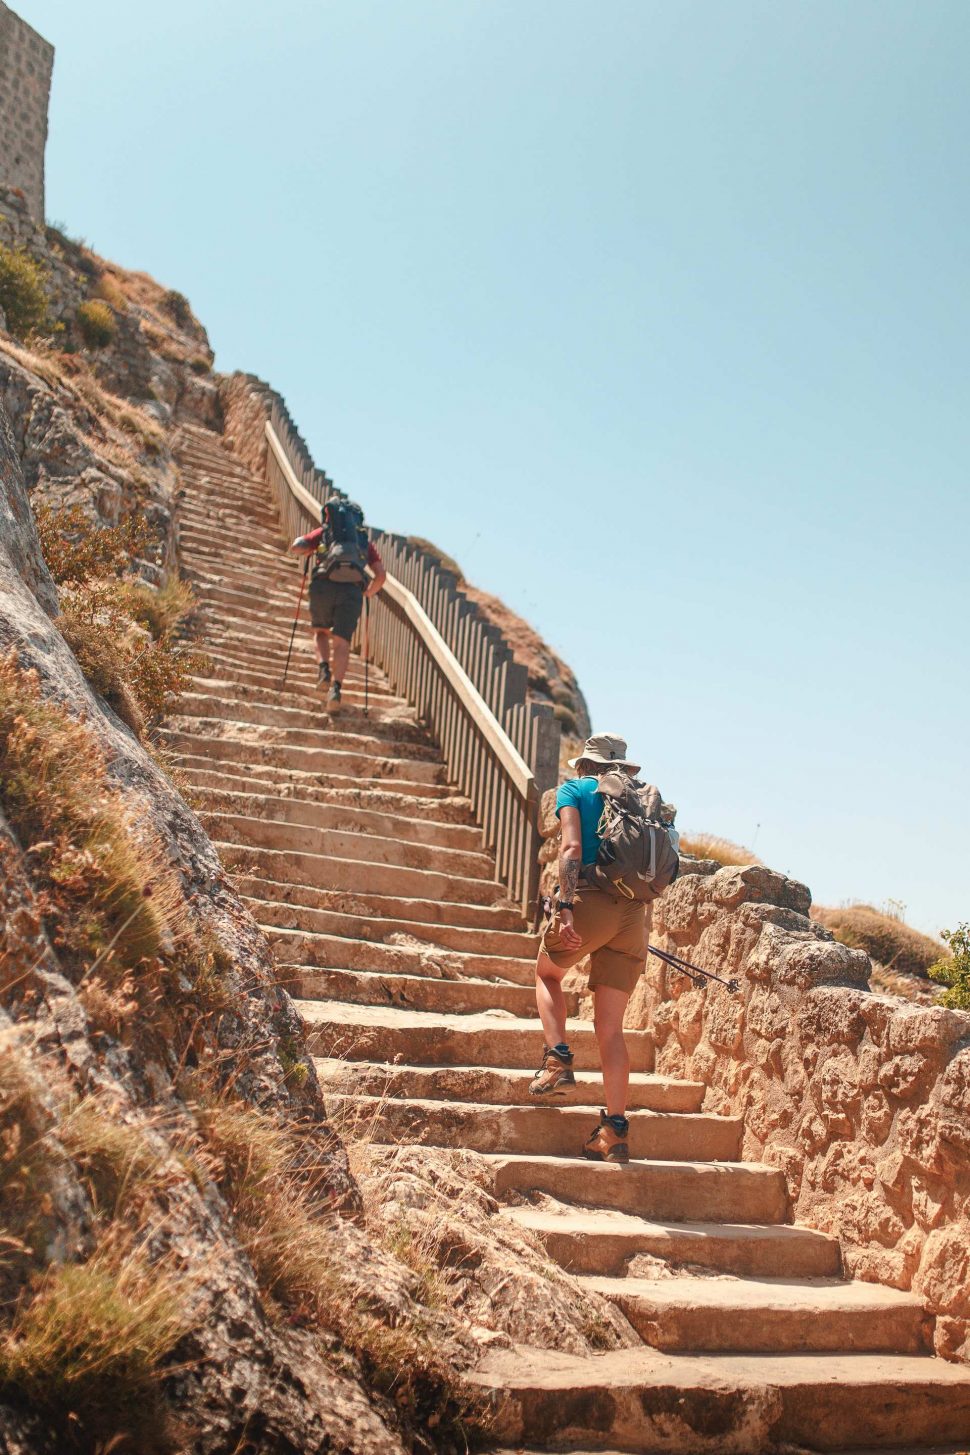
{"type": "Point", "coordinates": [636, 859]}
{"type": "Point", "coordinates": [342, 555]}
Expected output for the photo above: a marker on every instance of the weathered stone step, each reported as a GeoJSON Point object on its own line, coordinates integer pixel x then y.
{"type": "Point", "coordinates": [345, 844]}
{"type": "Point", "coordinates": [601, 1241]}
{"type": "Point", "coordinates": [737, 1192]}
{"type": "Point", "coordinates": [540, 1130]}
{"type": "Point", "coordinates": [258, 749]}
{"type": "Point", "coordinates": [750, 1315]}
{"type": "Point", "coordinates": [411, 992]}
{"type": "Point", "coordinates": [365, 926]}
{"type": "Point", "coordinates": [309, 949]}
{"type": "Point", "coordinates": [358, 875]}
{"type": "Point", "coordinates": [710, 1404]}
{"type": "Point", "coordinates": [421, 798]}
{"type": "Point", "coordinates": [505, 1087]}
{"type": "Point", "coordinates": [300, 685]}
{"type": "Point", "coordinates": [374, 1033]}
{"type": "Point", "coordinates": [308, 700]}
{"type": "Point", "coordinates": [323, 815]}
{"type": "Point", "coordinates": [420, 913]}
{"type": "Point", "coordinates": [316, 728]}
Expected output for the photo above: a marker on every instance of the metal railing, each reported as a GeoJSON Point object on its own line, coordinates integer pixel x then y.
{"type": "Point", "coordinates": [438, 650]}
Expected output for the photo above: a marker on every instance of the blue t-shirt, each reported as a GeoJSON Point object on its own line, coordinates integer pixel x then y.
{"type": "Point", "coordinates": [584, 794]}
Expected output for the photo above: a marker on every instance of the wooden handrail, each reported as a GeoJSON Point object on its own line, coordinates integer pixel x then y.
{"type": "Point", "coordinates": [453, 666]}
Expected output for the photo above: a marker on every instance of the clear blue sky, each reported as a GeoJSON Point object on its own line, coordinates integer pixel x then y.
{"type": "Point", "coordinates": [655, 315]}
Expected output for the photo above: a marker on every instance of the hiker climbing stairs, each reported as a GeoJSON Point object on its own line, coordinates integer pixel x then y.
{"type": "Point", "coordinates": [413, 972]}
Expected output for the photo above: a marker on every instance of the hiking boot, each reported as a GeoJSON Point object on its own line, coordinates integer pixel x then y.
{"type": "Point", "coordinates": [333, 701]}
{"type": "Point", "coordinates": [608, 1143]}
{"type": "Point", "coordinates": [323, 675]}
{"type": "Point", "coordinates": [555, 1073]}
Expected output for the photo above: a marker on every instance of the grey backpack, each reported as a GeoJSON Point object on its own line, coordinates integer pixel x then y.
{"type": "Point", "coordinates": [636, 859]}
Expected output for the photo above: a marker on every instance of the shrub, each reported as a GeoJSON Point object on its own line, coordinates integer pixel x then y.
{"type": "Point", "coordinates": [108, 288]}
{"type": "Point", "coordinates": [723, 851]}
{"type": "Point", "coordinates": [97, 323]}
{"type": "Point", "coordinates": [954, 972]}
{"type": "Point", "coordinates": [77, 549]}
{"type": "Point", "coordinates": [23, 296]}
{"type": "Point", "coordinates": [176, 305]}
{"type": "Point", "coordinates": [87, 1347]}
{"type": "Point", "coordinates": [883, 937]}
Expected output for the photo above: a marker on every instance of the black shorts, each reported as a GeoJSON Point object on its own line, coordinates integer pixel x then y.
{"type": "Point", "coordinates": [335, 606]}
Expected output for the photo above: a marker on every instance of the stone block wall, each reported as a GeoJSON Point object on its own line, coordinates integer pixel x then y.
{"type": "Point", "coordinates": [26, 63]}
{"type": "Point", "coordinates": [862, 1100]}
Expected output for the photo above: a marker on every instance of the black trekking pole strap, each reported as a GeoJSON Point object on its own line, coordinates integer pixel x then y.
{"type": "Point", "coordinates": [693, 972]}
{"type": "Point", "coordinates": [296, 618]}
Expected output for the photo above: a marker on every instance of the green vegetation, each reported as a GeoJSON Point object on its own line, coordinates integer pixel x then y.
{"type": "Point", "coordinates": [97, 323]}
{"type": "Point", "coordinates": [308, 1278]}
{"type": "Point", "coordinates": [127, 636]}
{"type": "Point", "coordinates": [23, 296]}
{"type": "Point", "coordinates": [954, 972]}
{"type": "Point", "coordinates": [87, 1346]}
{"type": "Point", "coordinates": [884, 937]}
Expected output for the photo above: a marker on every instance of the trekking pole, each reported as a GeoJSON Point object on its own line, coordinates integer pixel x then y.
{"type": "Point", "coordinates": [366, 649]}
{"type": "Point", "coordinates": [299, 603]}
{"type": "Point", "coordinates": [693, 972]}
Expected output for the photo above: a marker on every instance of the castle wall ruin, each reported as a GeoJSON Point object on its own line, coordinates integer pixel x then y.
{"type": "Point", "coordinates": [26, 63]}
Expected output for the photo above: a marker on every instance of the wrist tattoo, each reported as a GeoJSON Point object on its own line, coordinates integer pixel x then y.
{"type": "Point", "coordinates": [568, 878]}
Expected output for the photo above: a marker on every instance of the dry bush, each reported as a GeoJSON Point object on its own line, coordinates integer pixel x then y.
{"type": "Point", "coordinates": [26, 1168]}
{"type": "Point", "coordinates": [77, 549]}
{"type": "Point", "coordinates": [302, 1262]}
{"type": "Point", "coordinates": [87, 1349]}
{"type": "Point", "coordinates": [96, 323]}
{"type": "Point", "coordinates": [723, 851]}
{"type": "Point", "coordinates": [108, 288]}
{"type": "Point", "coordinates": [883, 937]}
{"type": "Point", "coordinates": [176, 305]}
{"type": "Point", "coordinates": [23, 295]}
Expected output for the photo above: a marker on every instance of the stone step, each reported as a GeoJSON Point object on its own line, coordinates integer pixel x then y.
{"type": "Point", "coordinates": [602, 1241]}
{"type": "Point", "coordinates": [392, 709]}
{"type": "Point", "coordinates": [323, 815]}
{"type": "Point", "coordinates": [767, 1315]}
{"type": "Point", "coordinates": [552, 1131]}
{"type": "Point", "coordinates": [357, 874]}
{"type": "Point", "coordinates": [649, 1401]}
{"type": "Point", "coordinates": [737, 1192]}
{"type": "Point", "coordinates": [236, 706]}
{"type": "Point", "coordinates": [467, 941]}
{"type": "Point", "coordinates": [301, 684]}
{"type": "Point", "coordinates": [431, 799]}
{"type": "Point", "coordinates": [310, 950]}
{"type": "Point", "coordinates": [261, 750]}
{"type": "Point", "coordinates": [376, 1033]}
{"type": "Point", "coordinates": [360, 752]}
{"type": "Point", "coordinates": [411, 992]}
{"type": "Point", "coordinates": [505, 1087]}
{"type": "Point", "coordinates": [428, 914]}
{"type": "Point", "coordinates": [298, 839]}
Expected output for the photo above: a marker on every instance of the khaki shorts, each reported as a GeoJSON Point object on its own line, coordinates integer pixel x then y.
{"type": "Point", "coordinates": [614, 934]}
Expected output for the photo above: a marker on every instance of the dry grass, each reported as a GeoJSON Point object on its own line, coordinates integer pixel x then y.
{"type": "Point", "coordinates": [882, 936]}
{"type": "Point", "coordinates": [723, 851]}
{"type": "Point", "coordinates": [87, 1348]}
{"type": "Point", "coordinates": [97, 323]}
{"type": "Point", "coordinates": [26, 1172]}
{"type": "Point", "coordinates": [118, 1162]}
{"type": "Point", "coordinates": [299, 1254]}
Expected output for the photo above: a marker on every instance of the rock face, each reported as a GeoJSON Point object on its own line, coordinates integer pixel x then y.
{"type": "Point", "coordinates": [863, 1101]}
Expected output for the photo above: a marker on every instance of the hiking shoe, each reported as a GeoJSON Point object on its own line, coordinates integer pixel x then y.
{"type": "Point", "coordinates": [608, 1143]}
{"type": "Point", "coordinates": [333, 701]}
{"type": "Point", "coordinates": [323, 675]}
{"type": "Point", "coordinates": [554, 1075]}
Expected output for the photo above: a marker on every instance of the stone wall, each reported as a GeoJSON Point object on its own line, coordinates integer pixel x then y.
{"type": "Point", "coordinates": [862, 1100]}
{"type": "Point", "coordinates": [26, 62]}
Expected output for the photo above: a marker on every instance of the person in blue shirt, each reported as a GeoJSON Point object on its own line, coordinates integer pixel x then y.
{"type": "Point", "coordinates": [589, 922]}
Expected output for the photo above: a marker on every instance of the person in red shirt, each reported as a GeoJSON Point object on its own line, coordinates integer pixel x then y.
{"type": "Point", "coordinates": [344, 572]}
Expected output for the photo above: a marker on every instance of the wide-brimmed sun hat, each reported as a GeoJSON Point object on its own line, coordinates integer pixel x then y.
{"type": "Point", "coordinates": [605, 748]}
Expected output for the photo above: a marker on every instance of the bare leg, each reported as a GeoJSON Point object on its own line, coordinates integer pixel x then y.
{"type": "Point", "coordinates": [341, 656]}
{"type": "Point", "coordinates": [321, 640]}
{"type": "Point", "coordinates": [608, 1007]}
{"type": "Point", "coordinates": [550, 1000]}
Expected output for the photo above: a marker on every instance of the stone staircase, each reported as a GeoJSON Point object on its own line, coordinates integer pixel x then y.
{"type": "Point", "coordinates": [414, 976]}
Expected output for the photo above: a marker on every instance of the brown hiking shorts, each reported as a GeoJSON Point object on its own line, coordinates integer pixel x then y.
{"type": "Point", "coordinates": [614, 935]}
{"type": "Point", "coordinates": [335, 606]}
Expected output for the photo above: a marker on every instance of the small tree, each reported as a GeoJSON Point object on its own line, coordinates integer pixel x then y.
{"type": "Point", "coordinates": [954, 973]}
